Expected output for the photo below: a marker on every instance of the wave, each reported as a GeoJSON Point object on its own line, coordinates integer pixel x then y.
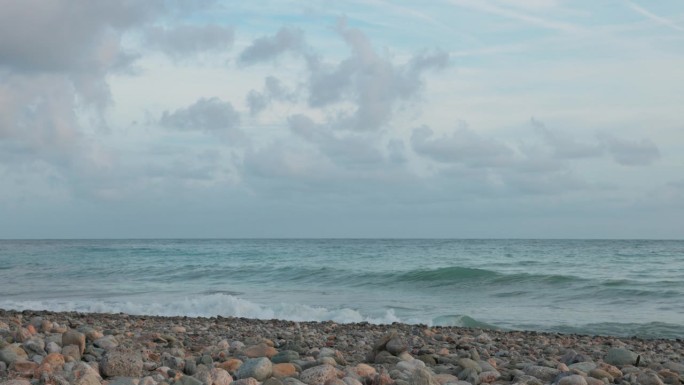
{"type": "Point", "coordinates": [217, 304]}
{"type": "Point", "coordinates": [452, 273]}
{"type": "Point", "coordinates": [462, 321]}
{"type": "Point", "coordinates": [649, 330]}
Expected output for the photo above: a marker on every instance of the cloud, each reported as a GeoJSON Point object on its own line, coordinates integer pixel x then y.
{"type": "Point", "coordinates": [183, 40]}
{"type": "Point", "coordinates": [269, 47]}
{"type": "Point", "coordinates": [631, 152]}
{"type": "Point", "coordinates": [208, 115]}
{"type": "Point", "coordinates": [370, 81]}
{"type": "Point", "coordinates": [273, 90]}
{"type": "Point", "coordinates": [462, 146]}
{"type": "Point", "coordinates": [624, 151]}
{"type": "Point", "coordinates": [55, 59]}
{"type": "Point", "coordinates": [65, 36]}
{"type": "Point", "coordinates": [348, 150]}
{"type": "Point", "coordinates": [564, 146]}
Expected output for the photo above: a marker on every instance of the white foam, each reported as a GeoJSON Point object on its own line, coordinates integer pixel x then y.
{"type": "Point", "coordinates": [208, 306]}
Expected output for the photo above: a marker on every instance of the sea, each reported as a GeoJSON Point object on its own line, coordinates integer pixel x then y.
{"type": "Point", "coordinates": [597, 287]}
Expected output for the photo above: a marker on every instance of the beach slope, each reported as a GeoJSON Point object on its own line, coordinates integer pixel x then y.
{"type": "Point", "coordinates": [40, 347]}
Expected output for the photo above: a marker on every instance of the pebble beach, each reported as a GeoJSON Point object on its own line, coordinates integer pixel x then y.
{"type": "Point", "coordinates": [41, 347]}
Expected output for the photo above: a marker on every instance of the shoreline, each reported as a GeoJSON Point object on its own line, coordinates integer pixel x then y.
{"type": "Point", "coordinates": [166, 350]}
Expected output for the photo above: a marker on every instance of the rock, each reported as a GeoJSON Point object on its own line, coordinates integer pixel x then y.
{"type": "Point", "coordinates": [53, 347]}
{"type": "Point", "coordinates": [351, 381]}
{"type": "Point", "coordinates": [206, 360]}
{"type": "Point", "coordinates": [469, 374]}
{"type": "Point", "coordinates": [272, 381]}
{"type": "Point", "coordinates": [422, 377]}
{"type": "Point", "coordinates": [188, 380]}
{"type": "Point", "coordinates": [245, 381]}
{"type": "Point", "coordinates": [257, 368]}
{"type": "Point", "coordinates": [231, 365]}
{"type": "Point", "coordinates": [11, 353]}
{"type": "Point", "coordinates": [445, 378]}
{"type": "Point", "coordinates": [23, 368]}
{"type": "Point", "coordinates": [318, 374]}
{"type": "Point", "coordinates": [620, 357]}
{"type": "Point", "coordinates": [669, 377]}
{"type": "Point", "coordinates": [428, 359]}
{"type": "Point", "coordinates": [382, 342]}
{"type": "Point", "coordinates": [600, 374]}
{"type": "Point", "coordinates": [35, 346]}
{"type": "Point", "coordinates": [22, 334]}
{"type": "Point", "coordinates": [124, 381]}
{"type": "Point", "coordinates": [178, 329]}
{"type": "Point", "coordinates": [83, 374]}
{"type": "Point", "coordinates": [220, 377]}
{"type": "Point", "coordinates": [594, 381]}
{"type": "Point", "coordinates": [203, 374]}
{"type": "Point", "coordinates": [675, 367]}
{"type": "Point", "coordinates": [171, 361]}
{"type": "Point", "coordinates": [260, 350]}
{"type": "Point", "coordinates": [327, 360]}
{"type": "Point", "coordinates": [17, 381]}
{"type": "Point", "coordinates": [106, 342]}
{"type": "Point", "coordinates": [285, 356]}
{"type": "Point", "coordinates": [467, 363]}
{"type": "Point", "coordinates": [541, 372]}
{"type": "Point", "coordinates": [364, 370]}
{"type": "Point", "coordinates": [91, 334]}
{"type": "Point", "coordinates": [190, 366]}
{"type": "Point", "coordinates": [72, 337]}
{"type": "Point", "coordinates": [585, 367]}
{"type": "Point", "coordinates": [488, 377]}
{"type": "Point", "coordinates": [396, 345]}
{"type": "Point", "coordinates": [649, 378]}
{"type": "Point", "coordinates": [71, 352]}
{"type": "Point", "coordinates": [612, 370]}
{"type": "Point", "coordinates": [284, 369]}
{"type": "Point", "coordinates": [573, 379]}
{"type": "Point", "coordinates": [385, 357]}
{"type": "Point", "coordinates": [122, 362]}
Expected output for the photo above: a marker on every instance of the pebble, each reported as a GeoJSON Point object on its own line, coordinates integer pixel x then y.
{"type": "Point", "coordinates": [73, 337]}
{"type": "Point", "coordinates": [257, 368]}
{"type": "Point", "coordinates": [573, 379]}
{"type": "Point", "coordinates": [122, 362]}
{"type": "Point", "coordinates": [620, 357]}
{"type": "Point", "coordinates": [119, 349]}
{"type": "Point", "coordinates": [318, 374]}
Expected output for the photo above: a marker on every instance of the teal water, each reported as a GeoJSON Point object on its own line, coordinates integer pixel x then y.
{"type": "Point", "coordinates": [614, 287]}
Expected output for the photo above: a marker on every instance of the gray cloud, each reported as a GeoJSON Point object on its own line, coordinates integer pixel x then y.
{"type": "Point", "coordinates": [64, 36]}
{"type": "Point", "coordinates": [269, 47]}
{"type": "Point", "coordinates": [273, 90]}
{"type": "Point", "coordinates": [54, 61]}
{"type": "Point", "coordinates": [631, 152]}
{"type": "Point", "coordinates": [565, 146]}
{"type": "Point", "coordinates": [209, 115]}
{"type": "Point", "coordinates": [372, 82]}
{"type": "Point", "coordinates": [462, 146]}
{"type": "Point", "coordinates": [349, 150]}
{"type": "Point", "coordinates": [185, 40]}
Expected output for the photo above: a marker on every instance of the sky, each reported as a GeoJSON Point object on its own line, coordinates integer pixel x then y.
{"type": "Point", "coordinates": [374, 118]}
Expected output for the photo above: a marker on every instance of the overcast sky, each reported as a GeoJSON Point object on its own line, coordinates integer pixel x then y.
{"type": "Point", "coordinates": [451, 118]}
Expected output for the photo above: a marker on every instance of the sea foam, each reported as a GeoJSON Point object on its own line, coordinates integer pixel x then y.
{"type": "Point", "coordinates": [211, 305]}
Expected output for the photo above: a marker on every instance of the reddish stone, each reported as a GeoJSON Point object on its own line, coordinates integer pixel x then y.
{"type": "Point", "coordinates": [284, 370]}
{"type": "Point", "coordinates": [23, 368]}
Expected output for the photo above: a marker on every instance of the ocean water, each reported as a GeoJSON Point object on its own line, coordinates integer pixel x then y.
{"type": "Point", "coordinates": [610, 287]}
